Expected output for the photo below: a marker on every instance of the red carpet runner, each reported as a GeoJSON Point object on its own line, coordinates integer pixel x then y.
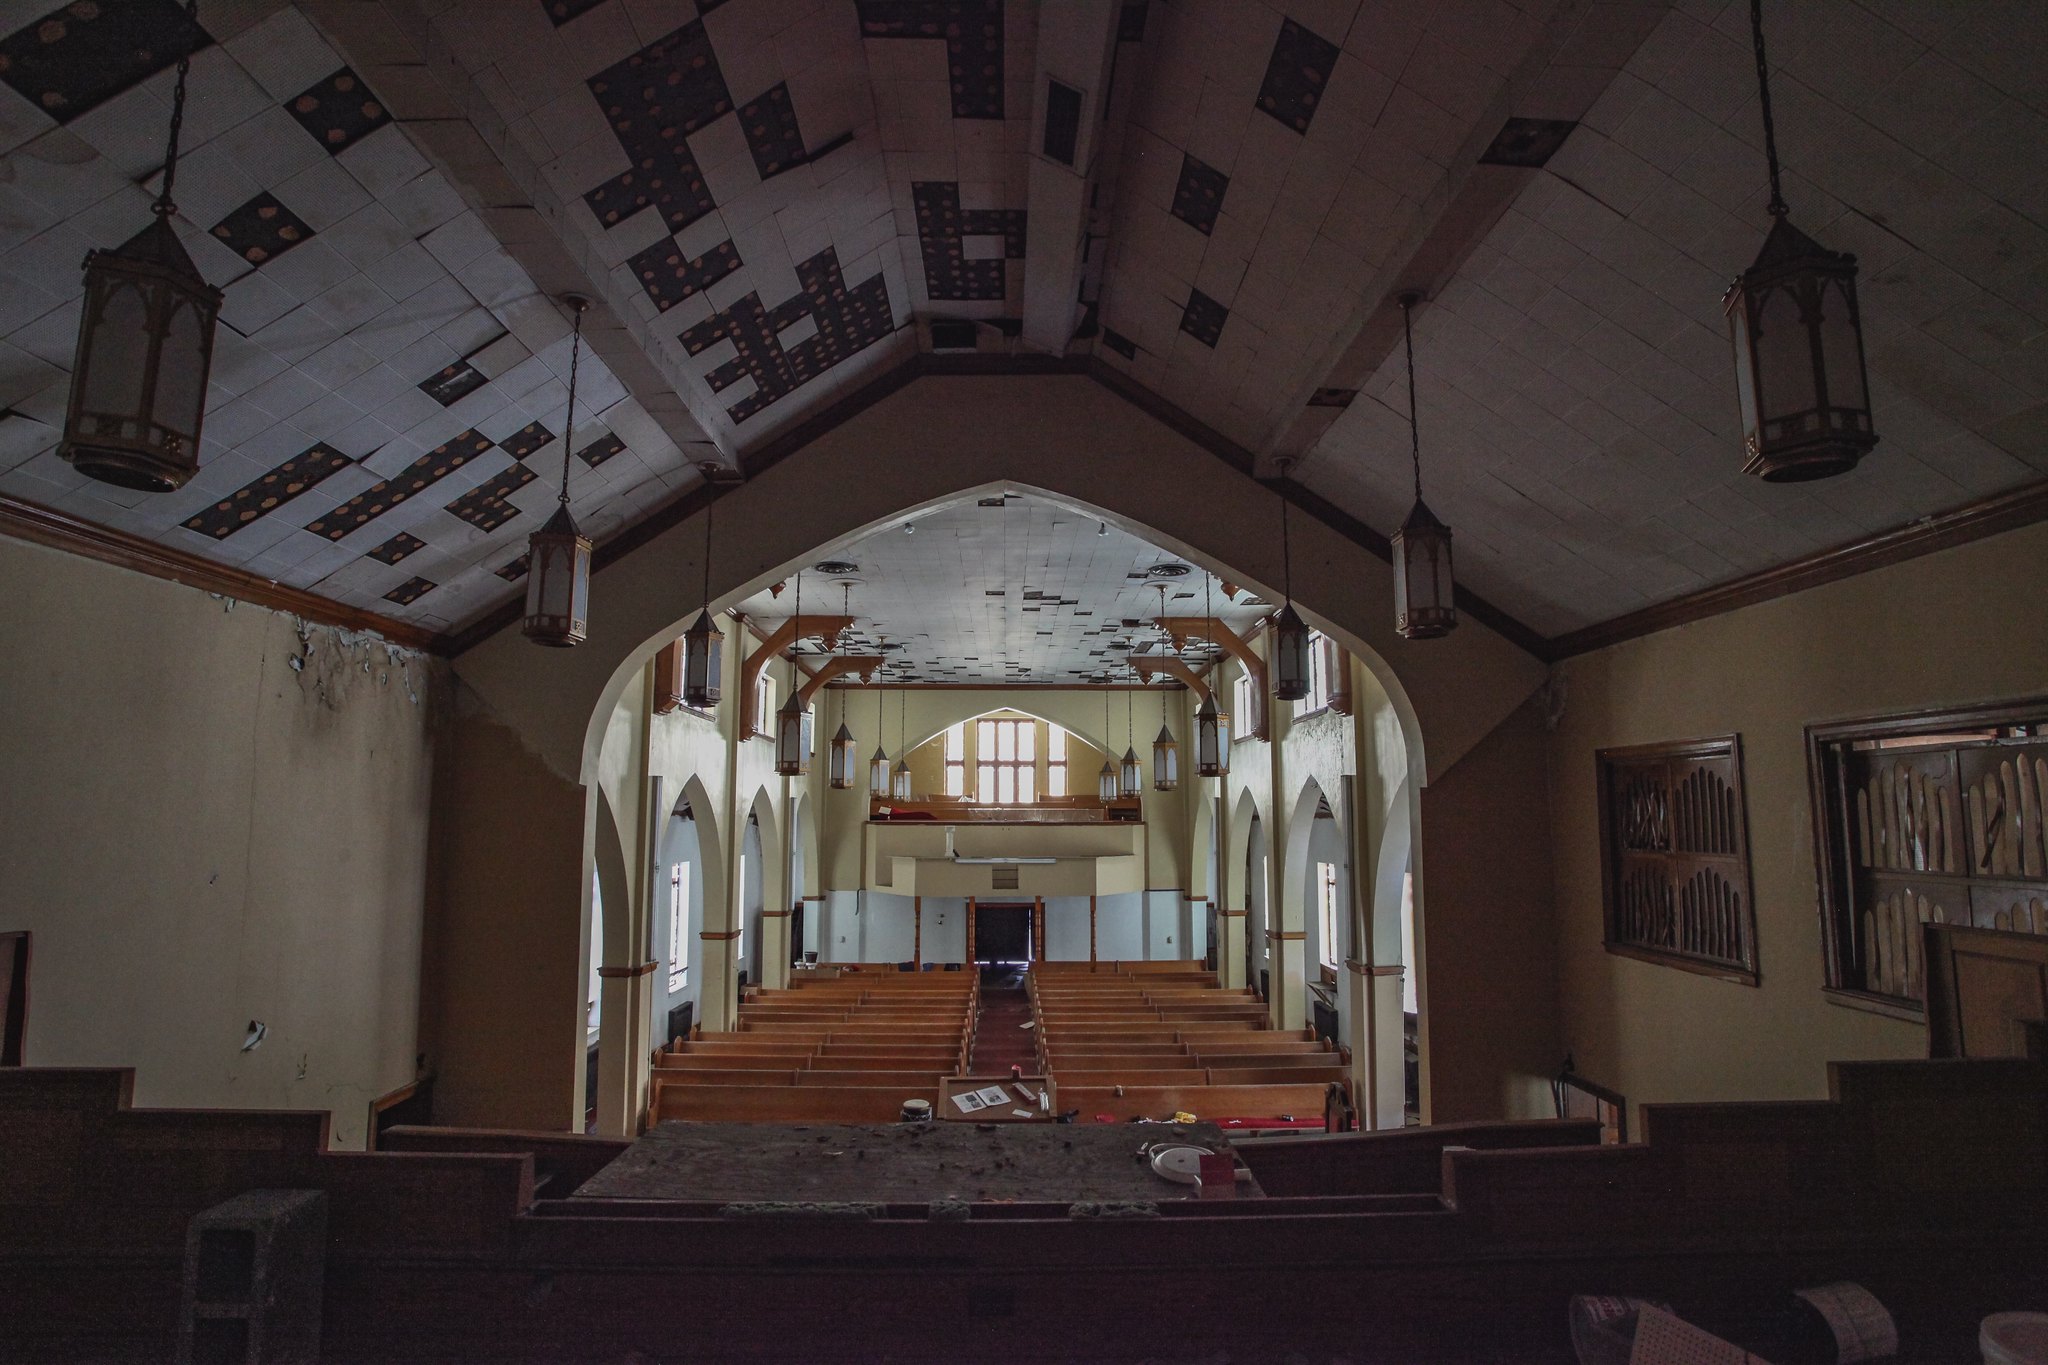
{"type": "Point", "coordinates": [1000, 1041]}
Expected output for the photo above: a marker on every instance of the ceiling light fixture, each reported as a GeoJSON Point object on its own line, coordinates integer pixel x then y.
{"type": "Point", "coordinates": [703, 643]}
{"type": "Point", "coordinates": [1425, 594]}
{"type": "Point", "coordinates": [1800, 380]}
{"type": "Point", "coordinates": [558, 555]}
{"type": "Point", "coordinates": [1165, 752]}
{"type": "Point", "coordinates": [1133, 777]}
{"type": "Point", "coordinates": [1290, 635]}
{"type": "Point", "coordinates": [899, 779]}
{"type": "Point", "coordinates": [841, 764]}
{"type": "Point", "coordinates": [793, 733]}
{"type": "Point", "coordinates": [878, 766]}
{"type": "Point", "coordinates": [1105, 781]}
{"type": "Point", "coordinates": [145, 346]}
{"type": "Point", "coordinates": [1212, 743]}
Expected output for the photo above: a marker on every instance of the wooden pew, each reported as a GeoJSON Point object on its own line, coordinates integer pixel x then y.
{"type": "Point", "coordinates": [785, 1103]}
{"type": "Point", "coordinates": [1203, 1101]}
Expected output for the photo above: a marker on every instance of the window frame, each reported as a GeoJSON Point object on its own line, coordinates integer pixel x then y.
{"type": "Point", "coordinates": [1055, 761]}
{"type": "Point", "coordinates": [679, 874]}
{"type": "Point", "coordinates": [1327, 918]}
{"type": "Point", "coordinates": [764, 706]}
{"type": "Point", "coordinates": [1732, 869]}
{"type": "Point", "coordinates": [1244, 702]}
{"type": "Point", "coordinates": [1840, 913]}
{"type": "Point", "coordinates": [955, 756]}
{"type": "Point", "coordinates": [989, 768]}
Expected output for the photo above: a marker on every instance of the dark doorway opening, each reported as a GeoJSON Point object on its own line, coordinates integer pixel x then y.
{"type": "Point", "coordinates": [1002, 933]}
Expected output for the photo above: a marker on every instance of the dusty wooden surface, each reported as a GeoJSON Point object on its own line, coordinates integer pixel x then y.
{"type": "Point", "coordinates": [900, 1163]}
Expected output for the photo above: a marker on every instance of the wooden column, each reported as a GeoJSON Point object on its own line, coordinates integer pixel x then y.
{"type": "Point", "coordinates": [1038, 928]}
{"type": "Point", "coordinates": [1091, 928]}
{"type": "Point", "coordinates": [917, 932]}
{"type": "Point", "coordinates": [970, 929]}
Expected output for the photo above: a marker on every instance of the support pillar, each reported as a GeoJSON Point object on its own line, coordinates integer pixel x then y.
{"type": "Point", "coordinates": [917, 932]}
{"type": "Point", "coordinates": [1038, 928]}
{"type": "Point", "coordinates": [775, 948]}
{"type": "Point", "coordinates": [1091, 929]}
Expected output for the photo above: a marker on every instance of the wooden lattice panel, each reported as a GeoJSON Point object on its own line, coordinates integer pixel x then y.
{"type": "Point", "coordinates": [1676, 848]}
{"type": "Point", "coordinates": [1935, 818]}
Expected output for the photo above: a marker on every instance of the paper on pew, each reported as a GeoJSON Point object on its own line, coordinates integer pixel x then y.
{"type": "Point", "coordinates": [969, 1102]}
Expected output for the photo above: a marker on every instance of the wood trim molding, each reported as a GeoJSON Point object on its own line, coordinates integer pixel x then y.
{"type": "Point", "coordinates": [719, 936]}
{"type": "Point", "coordinates": [1232, 914]}
{"type": "Point", "coordinates": [45, 526]}
{"type": "Point", "coordinates": [1357, 968]}
{"type": "Point", "coordinates": [777, 914]}
{"type": "Point", "coordinates": [1990, 516]}
{"type": "Point", "coordinates": [1286, 935]}
{"type": "Point", "coordinates": [837, 666]}
{"type": "Point", "coordinates": [626, 973]}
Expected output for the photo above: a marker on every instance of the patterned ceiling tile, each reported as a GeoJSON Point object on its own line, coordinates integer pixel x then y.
{"type": "Point", "coordinates": [78, 56]}
{"type": "Point", "coordinates": [973, 33]}
{"type": "Point", "coordinates": [397, 548]}
{"type": "Point", "coordinates": [1203, 318]}
{"type": "Point", "coordinates": [1199, 196]}
{"type": "Point", "coordinates": [516, 569]}
{"type": "Point", "coordinates": [1297, 75]}
{"type": "Point", "coordinates": [1121, 344]}
{"type": "Point", "coordinates": [669, 278]}
{"type": "Point", "coordinates": [600, 450]}
{"type": "Point", "coordinates": [526, 440]}
{"type": "Point", "coordinates": [484, 506]}
{"type": "Point", "coordinates": [262, 230]}
{"type": "Point", "coordinates": [268, 492]}
{"type": "Point", "coordinates": [654, 100]}
{"type": "Point", "coordinates": [562, 11]}
{"type": "Point", "coordinates": [942, 229]}
{"type": "Point", "coordinates": [1528, 142]}
{"type": "Point", "coordinates": [848, 321]}
{"type": "Point", "coordinates": [769, 123]}
{"type": "Point", "coordinates": [410, 591]}
{"type": "Point", "coordinates": [339, 111]}
{"type": "Point", "coordinates": [416, 478]}
{"type": "Point", "coordinates": [453, 383]}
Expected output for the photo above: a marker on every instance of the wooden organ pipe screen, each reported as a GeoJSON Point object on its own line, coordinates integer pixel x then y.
{"type": "Point", "coordinates": [1926, 818]}
{"type": "Point", "coordinates": [1674, 841]}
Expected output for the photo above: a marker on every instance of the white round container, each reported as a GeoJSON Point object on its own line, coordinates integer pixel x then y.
{"type": "Point", "coordinates": [2014, 1339]}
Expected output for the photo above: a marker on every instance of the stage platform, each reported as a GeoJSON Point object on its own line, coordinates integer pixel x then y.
{"type": "Point", "coordinates": [902, 1163]}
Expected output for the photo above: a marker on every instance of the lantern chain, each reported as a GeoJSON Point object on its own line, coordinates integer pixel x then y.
{"type": "Point", "coordinates": [165, 206]}
{"type": "Point", "coordinates": [569, 430]}
{"type": "Point", "coordinates": [1763, 90]}
{"type": "Point", "coordinates": [1408, 302]}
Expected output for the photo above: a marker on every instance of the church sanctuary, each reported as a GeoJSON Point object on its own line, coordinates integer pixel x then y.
{"type": "Point", "coordinates": [1211, 681]}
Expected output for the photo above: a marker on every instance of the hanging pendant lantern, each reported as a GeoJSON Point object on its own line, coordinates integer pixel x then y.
{"type": "Point", "coordinates": [1133, 775]}
{"type": "Point", "coordinates": [793, 737]}
{"type": "Point", "coordinates": [1290, 655]}
{"type": "Point", "coordinates": [878, 766]}
{"type": "Point", "coordinates": [1165, 761]}
{"type": "Point", "coordinates": [558, 565]}
{"type": "Point", "coordinates": [1800, 381]}
{"type": "Point", "coordinates": [1425, 602]}
{"type": "Point", "coordinates": [1210, 743]}
{"type": "Point", "coordinates": [704, 644]}
{"type": "Point", "coordinates": [841, 767]}
{"type": "Point", "coordinates": [145, 348]}
{"type": "Point", "coordinates": [1105, 782]}
{"type": "Point", "coordinates": [793, 718]}
{"type": "Point", "coordinates": [899, 778]}
{"type": "Point", "coordinates": [1290, 635]}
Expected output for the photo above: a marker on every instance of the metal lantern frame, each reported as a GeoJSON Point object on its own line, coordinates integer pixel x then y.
{"type": "Point", "coordinates": [1290, 654]}
{"type": "Point", "coordinates": [841, 766]}
{"type": "Point", "coordinates": [1802, 387]}
{"type": "Point", "coordinates": [144, 354]}
{"type": "Point", "coordinates": [878, 766]}
{"type": "Point", "coordinates": [899, 776]}
{"type": "Point", "coordinates": [1165, 760]}
{"type": "Point", "coordinates": [793, 721]}
{"type": "Point", "coordinates": [1425, 582]}
{"type": "Point", "coordinates": [1211, 744]}
{"type": "Point", "coordinates": [704, 643]}
{"type": "Point", "coordinates": [558, 555]}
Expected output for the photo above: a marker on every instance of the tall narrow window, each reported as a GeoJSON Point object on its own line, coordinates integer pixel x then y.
{"type": "Point", "coordinates": [1675, 840]}
{"type": "Point", "coordinates": [678, 926]}
{"type": "Point", "coordinates": [1055, 761]}
{"type": "Point", "coordinates": [1326, 912]}
{"type": "Point", "coordinates": [1244, 703]}
{"type": "Point", "coordinates": [739, 953]}
{"type": "Point", "coordinates": [1006, 762]}
{"type": "Point", "coordinates": [1318, 696]}
{"type": "Point", "coordinates": [764, 704]}
{"type": "Point", "coordinates": [956, 759]}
